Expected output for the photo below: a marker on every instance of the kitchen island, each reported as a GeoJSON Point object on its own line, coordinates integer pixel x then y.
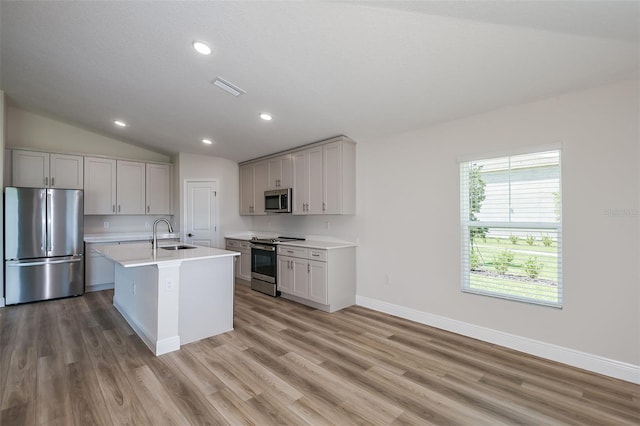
{"type": "Point", "coordinates": [173, 297]}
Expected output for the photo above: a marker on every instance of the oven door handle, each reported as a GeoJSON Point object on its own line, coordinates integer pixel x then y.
{"type": "Point", "coordinates": [260, 247]}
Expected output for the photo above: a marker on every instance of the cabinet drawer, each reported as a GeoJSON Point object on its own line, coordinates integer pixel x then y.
{"type": "Point", "coordinates": [315, 254]}
{"type": "Point", "coordinates": [245, 245]}
{"type": "Point", "coordinates": [293, 251]}
{"type": "Point", "coordinates": [233, 245]}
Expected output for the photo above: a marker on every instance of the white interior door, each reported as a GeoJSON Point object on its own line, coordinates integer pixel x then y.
{"type": "Point", "coordinates": [201, 220]}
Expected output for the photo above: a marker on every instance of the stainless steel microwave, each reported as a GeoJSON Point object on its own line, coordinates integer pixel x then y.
{"type": "Point", "coordinates": [277, 201]}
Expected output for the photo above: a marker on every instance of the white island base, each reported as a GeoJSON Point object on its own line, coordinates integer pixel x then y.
{"type": "Point", "coordinates": [174, 301]}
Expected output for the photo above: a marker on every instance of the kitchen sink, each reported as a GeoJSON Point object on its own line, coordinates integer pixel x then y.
{"type": "Point", "coordinates": [177, 247]}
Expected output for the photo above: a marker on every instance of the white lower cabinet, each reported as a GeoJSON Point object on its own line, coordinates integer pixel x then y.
{"type": "Point", "coordinates": [318, 281]}
{"type": "Point", "coordinates": [242, 267]}
{"type": "Point", "coordinates": [323, 279]}
{"type": "Point", "coordinates": [99, 271]}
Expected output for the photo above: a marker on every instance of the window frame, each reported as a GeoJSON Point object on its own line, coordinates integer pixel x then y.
{"type": "Point", "coordinates": [466, 224]}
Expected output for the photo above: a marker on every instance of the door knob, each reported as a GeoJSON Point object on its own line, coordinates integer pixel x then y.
{"type": "Point", "coordinates": [189, 234]}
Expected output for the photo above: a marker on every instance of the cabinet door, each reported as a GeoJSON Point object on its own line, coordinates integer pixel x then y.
{"type": "Point", "coordinates": [332, 173]}
{"type": "Point", "coordinates": [315, 181]}
{"type": "Point", "coordinates": [280, 172]}
{"type": "Point", "coordinates": [66, 171]}
{"type": "Point", "coordinates": [260, 176]}
{"type": "Point", "coordinates": [30, 169]}
{"type": "Point", "coordinates": [285, 274]}
{"type": "Point", "coordinates": [246, 189]}
{"type": "Point", "coordinates": [99, 270]}
{"type": "Point", "coordinates": [300, 194]}
{"type": "Point", "coordinates": [158, 189]}
{"type": "Point", "coordinates": [99, 186]}
{"type": "Point", "coordinates": [245, 266]}
{"type": "Point", "coordinates": [300, 277]}
{"type": "Point", "coordinates": [318, 281]}
{"type": "Point", "coordinates": [131, 187]}
{"type": "Point", "coordinates": [275, 173]}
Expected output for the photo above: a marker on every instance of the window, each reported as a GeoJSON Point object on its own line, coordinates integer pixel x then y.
{"type": "Point", "coordinates": [511, 227]}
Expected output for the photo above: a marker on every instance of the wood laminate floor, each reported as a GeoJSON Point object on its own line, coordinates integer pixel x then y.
{"type": "Point", "coordinates": [76, 361]}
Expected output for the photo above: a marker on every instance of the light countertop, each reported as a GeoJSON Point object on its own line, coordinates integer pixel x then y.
{"type": "Point", "coordinates": [328, 244]}
{"type": "Point", "coordinates": [141, 254]}
{"type": "Point", "coordinates": [128, 236]}
{"type": "Point", "coordinates": [313, 244]}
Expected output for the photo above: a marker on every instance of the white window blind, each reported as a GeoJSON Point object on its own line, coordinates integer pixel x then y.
{"type": "Point", "coordinates": [511, 227]}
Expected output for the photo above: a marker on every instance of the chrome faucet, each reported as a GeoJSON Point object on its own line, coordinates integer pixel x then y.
{"type": "Point", "coordinates": [154, 242]}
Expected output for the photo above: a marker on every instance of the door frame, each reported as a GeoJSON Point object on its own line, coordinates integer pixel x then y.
{"type": "Point", "coordinates": [185, 204]}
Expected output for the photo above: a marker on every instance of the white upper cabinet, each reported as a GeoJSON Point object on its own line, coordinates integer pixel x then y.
{"type": "Point", "coordinates": [253, 183]}
{"type": "Point", "coordinates": [99, 186]}
{"type": "Point", "coordinates": [307, 182]}
{"type": "Point", "coordinates": [246, 189]}
{"type": "Point", "coordinates": [260, 175]}
{"type": "Point", "coordinates": [280, 172]}
{"type": "Point", "coordinates": [121, 187]}
{"type": "Point", "coordinates": [338, 159]}
{"type": "Point", "coordinates": [322, 177]}
{"type": "Point", "coordinates": [300, 163]}
{"type": "Point", "coordinates": [158, 189]}
{"type": "Point", "coordinates": [44, 170]}
{"type": "Point", "coordinates": [130, 187]}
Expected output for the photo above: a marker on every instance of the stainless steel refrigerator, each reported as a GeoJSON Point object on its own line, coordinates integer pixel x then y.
{"type": "Point", "coordinates": [43, 246]}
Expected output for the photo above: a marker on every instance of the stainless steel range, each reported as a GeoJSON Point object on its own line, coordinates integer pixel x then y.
{"type": "Point", "coordinates": [264, 264]}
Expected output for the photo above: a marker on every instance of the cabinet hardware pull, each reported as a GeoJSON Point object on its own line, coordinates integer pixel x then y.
{"type": "Point", "coordinates": [113, 208]}
{"type": "Point", "coordinates": [324, 206]}
{"type": "Point", "coordinates": [148, 209]}
{"type": "Point", "coordinates": [308, 267]}
{"type": "Point", "coordinates": [52, 180]}
{"type": "Point", "coordinates": [315, 254]}
{"type": "Point", "coordinates": [119, 209]}
{"type": "Point", "coordinates": [46, 181]}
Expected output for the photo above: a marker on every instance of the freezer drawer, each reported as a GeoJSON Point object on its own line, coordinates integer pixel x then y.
{"type": "Point", "coordinates": [42, 279]}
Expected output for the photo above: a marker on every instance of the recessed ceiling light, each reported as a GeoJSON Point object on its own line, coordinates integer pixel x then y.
{"type": "Point", "coordinates": [266, 116]}
{"type": "Point", "coordinates": [207, 141]}
{"type": "Point", "coordinates": [119, 123]}
{"type": "Point", "coordinates": [201, 48]}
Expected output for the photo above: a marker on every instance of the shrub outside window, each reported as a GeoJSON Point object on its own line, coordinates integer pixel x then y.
{"type": "Point", "coordinates": [512, 227]}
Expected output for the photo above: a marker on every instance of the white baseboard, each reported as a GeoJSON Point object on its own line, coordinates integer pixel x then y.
{"type": "Point", "coordinates": [159, 347]}
{"type": "Point", "coordinates": [590, 362]}
{"type": "Point", "coordinates": [167, 345]}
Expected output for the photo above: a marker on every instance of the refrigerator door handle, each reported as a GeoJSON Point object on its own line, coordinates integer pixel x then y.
{"type": "Point", "coordinates": [49, 214]}
{"type": "Point", "coordinates": [42, 262]}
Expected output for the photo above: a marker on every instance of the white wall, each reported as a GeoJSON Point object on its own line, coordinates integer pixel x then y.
{"type": "Point", "coordinates": [407, 224]}
{"type": "Point", "coordinates": [2, 143]}
{"type": "Point", "coordinates": [225, 173]}
{"type": "Point", "coordinates": [412, 233]}
{"type": "Point", "coordinates": [28, 130]}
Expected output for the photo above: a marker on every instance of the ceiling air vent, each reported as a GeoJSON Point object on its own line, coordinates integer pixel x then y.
{"type": "Point", "coordinates": [228, 87]}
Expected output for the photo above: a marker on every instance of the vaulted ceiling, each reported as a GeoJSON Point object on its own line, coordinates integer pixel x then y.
{"type": "Point", "coordinates": [321, 68]}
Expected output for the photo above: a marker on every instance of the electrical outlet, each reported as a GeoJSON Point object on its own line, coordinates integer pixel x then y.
{"type": "Point", "coordinates": [106, 225]}
{"type": "Point", "coordinates": [328, 224]}
{"type": "Point", "coordinates": [147, 225]}
{"type": "Point", "coordinates": [134, 288]}
{"type": "Point", "coordinates": [168, 285]}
